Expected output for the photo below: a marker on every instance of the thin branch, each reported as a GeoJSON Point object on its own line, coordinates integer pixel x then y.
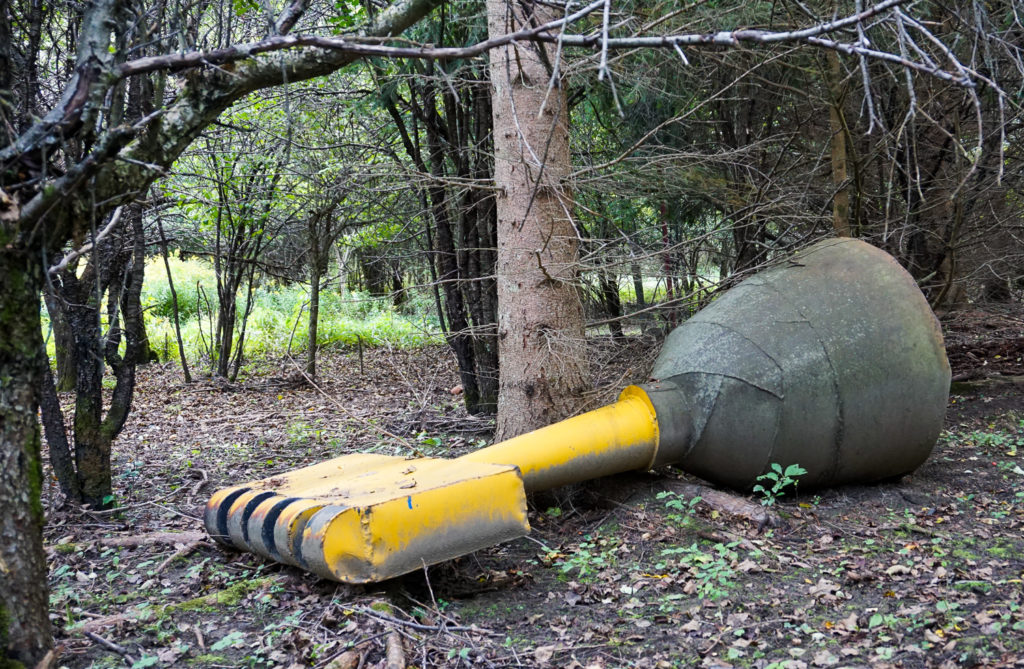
{"type": "Point", "coordinates": [359, 46]}
{"type": "Point", "coordinates": [355, 45]}
{"type": "Point", "coordinates": [74, 255]}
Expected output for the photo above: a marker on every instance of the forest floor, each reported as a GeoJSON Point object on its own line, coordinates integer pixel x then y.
{"type": "Point", "coordinates": [925, 571]}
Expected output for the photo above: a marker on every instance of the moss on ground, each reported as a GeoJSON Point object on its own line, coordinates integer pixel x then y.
{"type": "Point", "coordinates": [229, 596]}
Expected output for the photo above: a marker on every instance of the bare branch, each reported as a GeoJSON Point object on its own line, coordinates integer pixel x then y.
{"type": "Point", "coordinates": [74, 255]}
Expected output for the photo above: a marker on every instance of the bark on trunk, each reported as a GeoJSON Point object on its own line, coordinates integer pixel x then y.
{"type": "Point", "coordinates": [540, 321]}
{"type": "Point", "coordinates": [841, 199]}
{"type": "Point", "coordinates": [460, 338]}
{"type": "Point", "coordinates": [62, 343]}
{"type": "Point", "coordinates": [24, 600]}
{"type": "Point", "coordinates": [314, 309]}
{"type": "Point", "coordinates": [182, 355]}
{"type": "Point", "coordinates": [609, 284]}
{"type": "Point", "coordinates": [638, 285]}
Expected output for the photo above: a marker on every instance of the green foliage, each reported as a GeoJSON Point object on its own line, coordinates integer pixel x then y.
{"type": "Point", "coordinates": [187, 274]}
{"type": "Point", "coordinates": [280, 316]}
{"type": "Point", "coordinates": [713, 571]}
{"type": "Point", "coordinates": [228, 641]}
{"type": "Point", "coordinates": [349, 14]}
{"type": "Point", "coordinates": [593, 555]}
{"type": "Point", "coordinates": [684, 508]}
{"type": "Point", "coordinates": [778, 479]}
{"type": "Point", "coordinates": [1002, 441]}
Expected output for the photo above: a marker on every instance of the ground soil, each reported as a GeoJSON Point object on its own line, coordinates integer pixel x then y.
{"type": "Point", "coordinates": [626, 572]}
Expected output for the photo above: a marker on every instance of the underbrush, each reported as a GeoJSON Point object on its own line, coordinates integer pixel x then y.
{"type": "Point", "coordinates": [279, 321]}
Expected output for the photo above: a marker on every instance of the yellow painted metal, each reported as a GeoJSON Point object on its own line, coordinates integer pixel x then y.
{"type": "Point", "coordinates": [229, 511]}
{"type": "Point", "coordinates": [364, 518]}
{"type": "Point", "coordinates": [330, 477]}
{"type": "Point", "coordinates": [440, 511]}
{"type": "Point", "coordinates": [617, 438]}
{"type": "Point", "coordinates": [289, 527]}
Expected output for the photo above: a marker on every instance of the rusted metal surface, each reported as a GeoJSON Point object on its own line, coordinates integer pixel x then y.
{"type": "Point", "coordinates": [832, 361]}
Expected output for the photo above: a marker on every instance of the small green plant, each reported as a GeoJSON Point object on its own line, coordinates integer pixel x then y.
{"type": "Point", "coordinates": [778, 479]}
{"type": "Point", "coordinates": [997, 441]}
{"type": "Point", "coordinates": [228, 641]}
{"type": "Point", "coordinates": [461, 653]}
{"type": "Point", "coordinates": [301, 432]}
{"type": "Point", "coordinates": [684, 508]}
{"type": "Point", "coordinates": [592, 556]}
{"type": "Point", "coordinates": [712, 570]}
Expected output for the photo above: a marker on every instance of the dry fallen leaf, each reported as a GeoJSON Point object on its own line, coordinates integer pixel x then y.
{"type": "Point", "coordinates": [544, 654]}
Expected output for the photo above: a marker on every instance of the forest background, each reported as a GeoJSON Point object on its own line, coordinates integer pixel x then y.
{"type": "Point", "coordinates": [625, 170]}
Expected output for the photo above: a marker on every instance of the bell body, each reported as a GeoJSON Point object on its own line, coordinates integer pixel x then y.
{"type": "Point", "coordinates": [832, 360]}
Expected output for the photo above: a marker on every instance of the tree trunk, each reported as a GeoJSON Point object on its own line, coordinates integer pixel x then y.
{"type": "Point", "coordinates": [460, 338]}
{"type": "Point", "coordinates": [540, 323]}
{"type": "Point", "coordinates": [62, 344]}
{"type": "Point", "coordinates": [668, 263]}
{"type": "Point", "coordinates": [479, 239]}
{"type": "Point", "coordinates": [841, 199]}
{"type": "Point", "coordinates": [609, 284]}
{"type": "Point", "coordinates": [638, 285]}
{"type": "Point", "coordinates": [376, 279]}
{"type": "Point", "coordinates": [115, 269]}
{"type": "Point", "coordinates": [315, 265]}
{"type": "Point", "coordinates": [92, 449]}
{"type": "Point", "coordinates": [174, 303]}
{"type": "Point", "coordinates": [226, 312]}
{"type": "Point", "coordinates": [24, 600]}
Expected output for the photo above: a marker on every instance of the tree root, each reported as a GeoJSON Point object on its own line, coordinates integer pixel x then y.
{"type": "Point", "coordinates": [734, 505]}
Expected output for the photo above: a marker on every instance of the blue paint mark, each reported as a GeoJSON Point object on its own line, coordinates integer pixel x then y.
{"type": "Point", "coordinates": [409, 498]}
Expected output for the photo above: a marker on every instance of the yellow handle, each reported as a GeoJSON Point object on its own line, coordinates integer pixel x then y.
{"type": "Point", "coordinates": [617, 438]}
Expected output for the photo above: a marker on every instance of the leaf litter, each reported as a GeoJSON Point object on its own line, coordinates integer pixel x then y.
{"type": "Point", "coordinates": [925, 571]}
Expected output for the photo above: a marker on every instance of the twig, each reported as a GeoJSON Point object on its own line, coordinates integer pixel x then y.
{"type": "Point", "coordinates": [181, 552]}
{"type": "Point", "coordinates": [230, 54]}
{"type": "Point", "coordinates": [914, 527]}
{"type": "Point", "coordinates": [202, 482]}
{"type": "Point", "coordinates": [74, 255]}
{"type": "Point", "coordinates": [418, 626]}
{"type": "Point", "coordinates": [362, 420]}
{"type": "Point", "coordinates": [154, 538]}
{"type": "Point", "coordinates": [395, 653]}
{"type": "Point", "coordinates": [50, 659]}
{"type": "Point", "coordinates": [110, 645]}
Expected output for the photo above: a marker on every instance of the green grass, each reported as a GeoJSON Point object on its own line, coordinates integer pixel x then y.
{"type": "Point", "coordinates": [280, 315]}
{"type": "Point", "coordinates": [278, 312]}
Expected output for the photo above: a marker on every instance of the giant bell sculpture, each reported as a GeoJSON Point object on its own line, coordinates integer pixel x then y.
{"type": "Point", "coordinates": [831, 360]}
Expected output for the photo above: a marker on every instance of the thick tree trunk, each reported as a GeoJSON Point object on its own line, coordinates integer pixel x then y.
{"type": "Point", "coordinates": [540, 322]}
{"type": "Point", "coordinates": [24, 600]}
